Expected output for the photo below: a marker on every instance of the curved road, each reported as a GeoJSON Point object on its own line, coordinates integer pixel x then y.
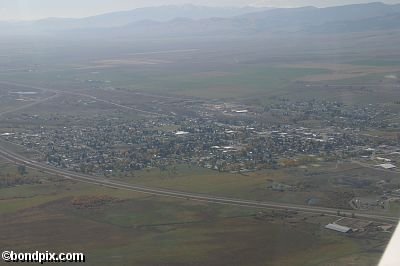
{"type": "Point", "coordinates": [13, 157]}
{"type": "Point", "coordinates": [16, 158]}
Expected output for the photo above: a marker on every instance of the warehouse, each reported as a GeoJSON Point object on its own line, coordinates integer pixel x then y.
{"type": "Point", "coordinates": [338, 228]}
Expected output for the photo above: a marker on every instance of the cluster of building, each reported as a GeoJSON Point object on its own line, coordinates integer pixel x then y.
{"type": "Point", "coordinates": [332, 113]}
{"type": "Point", "coordinates": [159, 142]}
{"type": "Point", "coordinates": [221, 136]}
{"type": "Point", "coordinates": [351, 225]}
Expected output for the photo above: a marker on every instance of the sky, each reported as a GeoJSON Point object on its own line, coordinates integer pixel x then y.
{"type": "Point", "coordinates": [36, 9]}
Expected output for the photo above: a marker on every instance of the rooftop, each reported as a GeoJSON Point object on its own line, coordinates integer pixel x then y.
{"type": "Point", "coordinates": [387, 165]}
{"type": "Point", "coordinates": [338, 228]}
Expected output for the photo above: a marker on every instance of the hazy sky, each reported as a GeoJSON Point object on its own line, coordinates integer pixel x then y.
{"type": "Point", "coordinates": [33, 9]}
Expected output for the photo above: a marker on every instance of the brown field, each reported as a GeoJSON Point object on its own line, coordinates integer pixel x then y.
{"type": "Point", "coordinates": [116, 227]}
{"type": "Point", "coordinates": [341, 71]}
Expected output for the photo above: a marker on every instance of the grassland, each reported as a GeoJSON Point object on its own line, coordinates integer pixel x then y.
{"type": "Point", "coordinates": [237, 81]}
{"type": "Point", "coordinates": [115, 227]}
{"type": "Point", "coordinates": [328, 184]}
{"type": "Point", "coordinates": [220, 70]}
{"type": "Point", "coordinates": [377, 62]}
{"type": "Point", "coordinates": [341, 82]}
{"type": "Point", "coordinates": [136, 229]}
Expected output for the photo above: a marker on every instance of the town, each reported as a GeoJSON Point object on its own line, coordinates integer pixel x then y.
{"type": "Point", "coordinates": [227, 137]}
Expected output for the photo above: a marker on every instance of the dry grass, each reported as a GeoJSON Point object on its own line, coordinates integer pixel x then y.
{"type": "Point", "coordinates": [341, 71]}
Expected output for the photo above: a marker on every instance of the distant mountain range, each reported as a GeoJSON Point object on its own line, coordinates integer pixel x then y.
{"type": "Point", "coordinates": [159, 14]}
{"type": "Point", "coordinates": [310, 18]}
{"type": "Point", "coordinates": [194, 21]}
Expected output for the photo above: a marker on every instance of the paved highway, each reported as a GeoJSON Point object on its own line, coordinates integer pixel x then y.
{"type": "Point", "coordinates": [16, 158]}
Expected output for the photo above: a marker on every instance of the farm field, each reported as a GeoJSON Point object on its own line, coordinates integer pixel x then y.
{"type": "Point", "coordinates": [266, 138]}
{"type": "Point", "coordinates": [320, 185]}
{"type": "Point", "coordinates": [239, 68]}
{"type": "Point", "coordinates": [147, 230]}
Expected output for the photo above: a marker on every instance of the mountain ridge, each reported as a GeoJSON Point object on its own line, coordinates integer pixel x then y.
{"type": "Point", "coordinates": [348, 18]}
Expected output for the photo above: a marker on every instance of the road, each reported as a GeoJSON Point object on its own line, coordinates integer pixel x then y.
{"type": "Point", "coordinates": [11, 110]}
{"type": "Point", "coordinates": [80, 95]}
{"type": "Point", "coordinates": [18, 159]}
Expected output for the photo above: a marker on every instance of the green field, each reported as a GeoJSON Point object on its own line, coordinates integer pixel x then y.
{"type": "Point", "coordinates": [259, 83]}
{"type": "Point", "coordinates": [321, 182]}
{"type": "Point", "coordinates": [128, 228]}
{"type": "Point", "coordinates": [119, 227]}
{"type": "Point", "coordinates": [234, 82]}
{"type": "Point", "coordinates": [376, 62]}
{"type": "Point", "coordinates": [238, 82]}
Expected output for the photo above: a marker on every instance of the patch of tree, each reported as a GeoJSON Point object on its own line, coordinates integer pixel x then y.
{"type": "Point", "coordinates": [22, 169]}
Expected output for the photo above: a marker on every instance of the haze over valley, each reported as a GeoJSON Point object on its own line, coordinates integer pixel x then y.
{"type": "Point", "coordinates": [200, 135]}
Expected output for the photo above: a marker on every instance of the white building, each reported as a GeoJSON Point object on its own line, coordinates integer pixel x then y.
{"type": "Point", "coordinates": [387, 166]}
{"type": "Point", "coordinates": [338, 228]}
